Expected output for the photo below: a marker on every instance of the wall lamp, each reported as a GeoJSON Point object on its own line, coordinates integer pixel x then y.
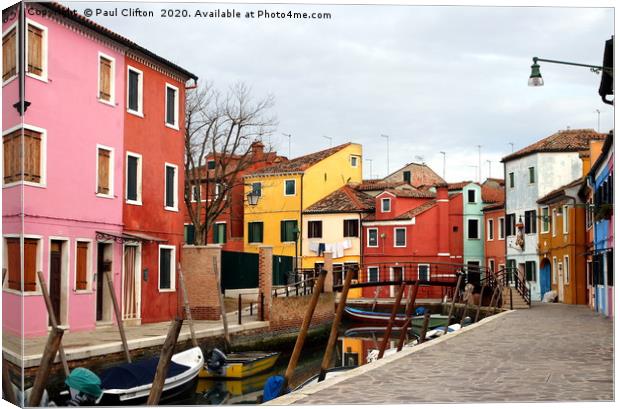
{"type": "Point", "coordinates": [253, 197]}
{"type": "Point", "coordinates": [536, 79]}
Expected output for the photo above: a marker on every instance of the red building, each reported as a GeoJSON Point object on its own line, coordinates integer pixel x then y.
{"type": "Point", "coordinates": [495, 236]}
{"type": "Point", "coordinates": [412, 234]}
{"type": "Point", "coordinates": [154, 150]}
{"type": "Point", "coordinates": [227, 229]}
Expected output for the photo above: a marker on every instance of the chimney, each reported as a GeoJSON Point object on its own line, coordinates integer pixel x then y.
{"type": "Point", "coordinates": [443, 203]}
{"type": "Point", "coordinates": [257, 150]}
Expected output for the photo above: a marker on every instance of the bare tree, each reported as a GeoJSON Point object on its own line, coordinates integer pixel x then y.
{"type": "Point", "coordinates": [220, 127]}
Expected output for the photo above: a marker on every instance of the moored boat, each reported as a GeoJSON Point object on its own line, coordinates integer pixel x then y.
{"type": "Point", "coordinates": [382, 318]}
{"type": "Point", "coordinates": [237, 365]}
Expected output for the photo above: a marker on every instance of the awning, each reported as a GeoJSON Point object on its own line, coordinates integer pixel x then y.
{"type": "Point", "coordinates": [117, 237]}
{"type": "Point", "coordinates": [143, 236]}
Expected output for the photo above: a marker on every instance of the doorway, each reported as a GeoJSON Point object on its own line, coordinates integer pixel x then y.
{"type": "Point", "coordinates": [58, 259]}
{"type": "Point", "coordinates": [131, 282]}
{"type": "Point", "coordinates": [473, 273]}
{"type": "Point", "coordinates": [545, 277]}
{"type": "Point", "coordinates": [104, 264]}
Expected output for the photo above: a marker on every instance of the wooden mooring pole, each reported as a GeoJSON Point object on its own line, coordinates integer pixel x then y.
{"type": "Point", "coordinates": [45, 367]}
{"type": "Point", "coordinates": [493, 297]}
{"type": "Point", "coordinates": [410, 305]}
{"type": "Point", "coordinates": [7, 386]}
{"type": "Point", "coordinates": [164, 362]}
{"type": "Point", "coordinates": [427, 319]}
{"type": "Point", "coordinates": [239, 309]}
{"type": "Point", "coordinates": [188, 311]}
{"type": "Point", "coordinates": [216, 270]}
{"type": "Point", "coordinates": [303, 332]}
{"type": "Point", "coordinates": [466, 305]}
{"type": "Point", "coordinates": [333, 335]}
{"type": "Point", "coordinates": [388, 330]}
{"type": "Point", "coordinates": [52, 315]}
{"type": "Point", "coordinates": [480, 302]}
{"type": "Point", "coordinates": [456, 291]}
{"type": "Point", "coordinates": [119, 318]}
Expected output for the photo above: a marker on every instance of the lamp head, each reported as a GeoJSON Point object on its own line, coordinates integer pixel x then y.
{"type": "Point", "coordinates": [536, 79]}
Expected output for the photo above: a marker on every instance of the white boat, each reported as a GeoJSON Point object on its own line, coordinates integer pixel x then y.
{"type": "Point", "coordinates": [330, 374]}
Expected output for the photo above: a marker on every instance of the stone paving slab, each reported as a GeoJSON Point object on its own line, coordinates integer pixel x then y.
{"type": "Point", "coordinates": [551, 352]}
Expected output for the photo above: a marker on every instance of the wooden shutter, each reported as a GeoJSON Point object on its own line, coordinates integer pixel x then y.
{"type": "Point", "coordinates": [103, 172]}
{"type": "Point", "coordinates": [35, 50]}
{"type": "Point", "coordinates": [105, 76]}
{"type": "Point", "coordinates": [32, 166]}
{"type": "Point", "coordinates": [14, 267]}
{"type": "Point", "coordinates": [11, 146]}
{"type": "Point", "coordinates": [9, 60]}
{"type": "Point", "coordinates": [30, 264]}
{"type": "Point", "coordinates": [81, 266]}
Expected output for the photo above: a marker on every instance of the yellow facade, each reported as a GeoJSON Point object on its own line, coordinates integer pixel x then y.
{"type": "Point", "coordinates": [311, 184]}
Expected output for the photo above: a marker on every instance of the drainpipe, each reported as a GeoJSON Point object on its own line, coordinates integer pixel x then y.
{"type": "Point", "coordinates": [301, 220]}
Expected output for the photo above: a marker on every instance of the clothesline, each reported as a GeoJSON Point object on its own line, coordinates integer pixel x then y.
{"type": "Point", "coordinates": [337, 249]}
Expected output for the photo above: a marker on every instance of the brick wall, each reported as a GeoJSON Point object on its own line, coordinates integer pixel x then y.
{"type": "Point", "coordinates": [200, 280]}
{"type": "Point", "coordinates": [265, 279]}
{"type": "Point", "coordinates": [289, 312]}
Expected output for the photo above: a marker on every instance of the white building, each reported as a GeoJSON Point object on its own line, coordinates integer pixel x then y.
{"type": "Point", "coordinates": [531, 173]}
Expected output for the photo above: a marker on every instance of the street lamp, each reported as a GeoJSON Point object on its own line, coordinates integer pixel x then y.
{"type": "Point", "coordinates": [289, 143]}
{"type": "Point", "coordinates": [536, 79]}
{"type": "Point", "coordinates": [253, 197]}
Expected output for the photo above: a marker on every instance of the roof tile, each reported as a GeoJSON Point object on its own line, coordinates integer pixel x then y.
{"type": "Point", "coordinates": [571, 140]}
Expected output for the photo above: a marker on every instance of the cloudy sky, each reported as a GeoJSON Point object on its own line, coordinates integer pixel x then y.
{"type": "Point", "coordinates": [433, 78]}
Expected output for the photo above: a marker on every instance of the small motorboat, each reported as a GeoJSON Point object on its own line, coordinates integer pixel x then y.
{"type": "Point", "coordinates": [382, 318]}
{"type": "Point", "coordinates": [130, 383]}
{"type": "Point", "coordinates": [237, 365]}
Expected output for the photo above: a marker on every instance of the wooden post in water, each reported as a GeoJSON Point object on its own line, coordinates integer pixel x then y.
{"type": "Point", "coordinates": [164, 362]}
{"type": "Point", "coordinates": [45, 367]}
{"type": "Point", "coordinates": [466, 305]}
{"type": "Point", "coordinates": [493, 297]}
{"type": "Point", "coordinates": [458, 285]}
{"type": "Point", "coordinates": [388, 330]}
{"type": "Point", "coordinates": [188, 311]}
{"type": "Point", "coordinates": [480, 302]}
{"type": "Point", "coordinates": [117, 312]}
{"type": "Point", "coordinates": [333, 335]}
{"type": "Point", "coordinates": [301, 338]}
{"type": "Point", "coordinates": [240, 309]}
{"type": "Point", "coordinates": [410, 305]}
{"type": "Point", "coordinates": [7, 387]}
{"type": "Point", "coordinates": [222, 307]}
{"type": "Point", "coordinates": [51, 313]}
{"type": "Point", "coordinates": [427, 318]}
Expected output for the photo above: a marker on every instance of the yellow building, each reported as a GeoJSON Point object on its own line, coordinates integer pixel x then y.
{"type": "Point", "coordinates": [288, 188]}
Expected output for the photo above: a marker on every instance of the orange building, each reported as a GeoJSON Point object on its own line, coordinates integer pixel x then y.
{"type": "Point", "coordinates": [495, 236]}
{"type": "Point", "coordinates": [562, 242]}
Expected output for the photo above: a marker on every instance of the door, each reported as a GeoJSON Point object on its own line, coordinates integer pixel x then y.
{"type": "Point", "coordinates": [396, 274]}
{"type": "Point", "coordinates": [100, 250]}
{"type": "Point", "coordinates": [55, 278]}
{"type": "Point", "coordinates": [545, 278]}
{"type": "Point", "coordinates": [131, 282]}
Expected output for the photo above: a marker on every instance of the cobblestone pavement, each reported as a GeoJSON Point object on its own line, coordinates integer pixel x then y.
{"type": "Point", "coordinates": [551, 352]}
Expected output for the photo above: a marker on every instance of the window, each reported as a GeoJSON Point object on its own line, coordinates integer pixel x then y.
{"type": "Point", "coordinates": [134, 178]}
{"type": "Point", "coordinates": [490, 229]}
{"type": "Point", "coordinates": [351, 228]}
{"type": "Point", "coordinates": [288, 230]}
{"type": "Point", "coordinates": [491, 265]}
{"type": "Point", "coordinates": [472, 229]}
{"type": "Point", "coordinates": [407, 176]}
{"type": "Point", "coordinates": [289, 187]}
{"type": "Point", "coordinates": [82, 265]}
{"type": "Point", "coordinates": [134, 91]}
{"type": "Point", "coordinates": [172, 106]}
{"type": "Point", "coordinates": [196, 193]}
{"type": "Point", "coordinates": [553, 221]}
{"type": "Point", "coordinates": [544, 222]}
{"type": "Point", "coordinates": [34, 144]}
{"type": "Point", "coordinates": [386, 205]}
{"type": "Point", "coordinates": [554, 275]}
{"type": "Point", "coordinates": [610, 267]}
{"type": "Point", "coordinates": [566, 270]}
{"type": "Point", "coordinates": [510, 224]}
{"type": "Point", "coordinates": [530, 270]}
{"type": "Point", "coordinates": [373, 238]}
{"type": "Point", "coordinates": [354, 160]}
{"type": "Point", "coordinates": [530, 221]}
{"type": "Point", "coordinates": [106, 79]}
{"type": "Point", "coordinates": [511, 179]}
{"type": "Point", "coordinates": [315, 229]}
{"type": "Point", "coordinates": [13, 263]}
{"type": "Point", "coordinates": [373, 274]}
{"type": "Point", "coordinates": [217, 191]}
{"type": "Point", "coordinates": [210, 164]}
{"type": "Point", "coordinates": [167, 268]}
{"type": "Point", "coordinates": [502, 228]}
{"type": "Point", "coordinates": [400, 236]}
{"type": "Point", "coordinates": [9, 55]}
{"type": "Point", "coordinates": [565, 219]}
{"type": "Point", "coordinates": [471, 196]}
{"type": "Point", "coordinates": [219, 233]}
{"type": "Point", "coordinates": [105, 170]}
{"type": "Point", "coordinates": [255, 232]}
{"type": "Point", "coordinates": [36, 46]}
{"type": "Point", "coordinates": [171, 201]}
{"type": "Point", "coordinates": [189, 234]}
{"type": "Point", "coordinates": [257, 188]}
{"type": "Point", "coordinates": [532, 174]}
{"type": "Point", "coordinates": [424, 272]}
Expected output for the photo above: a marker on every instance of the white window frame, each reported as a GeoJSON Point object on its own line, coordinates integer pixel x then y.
{"type": "Point", "coordinates": [389, 202]}
{"type": "Point", "coordinates": [565, 219]}
{"type": "Point", "coordinates": [173, 268]}
{"type": "Point", "coordinates": [140, 111]}
{"type": "Point", "coordinates": [4, 33]}
{"type": "Point", "coordinates": [175, 188]}
{"type": "Point", "coordinates": [554, 271]}
{"type": "Point", "coordinates": [478, 223]}
{"type": "Point", "coordinates": [542, 220]}
{"type": "Point", "coordinates": [44, 48]}
{"type": "Point", "coordinates": [368, 273]}
{"type": "Point", "coordinates": [490, 229]}
{"type": "Point", "coordinates": [43, 158]}
{"type": "Point", "coordinates": [225, 230]}
{"type": "Point", "coordinates": [491, 262]}
{"type": "Point", "coordinates": [174, 126]}
{"type": "Point", "coordinates": [529, 181]}
{"type": "Point", "coordinates": [89, 266]}
{"type": "Point", "coordinates": [5, 263]}
{"type": "Point", "coordinates": [109, 195]}
{"type": "Point", "coordinates": [428, 270]}
{"type": "Point", "coordinates": [112, 101]}
{"type": "Point", "coordinates": [352, 158]}
{"type": "Point", "coordinates": [400, 228]}
{"type": "Point", "coordinates": [294, 187]}
{"type": "Point", "coordinates": [368, 237]}
{"type": "Point", "coordinates": [566, 270]}
{"type": "Point", "coordinates": [501, 221]}
{"type": "Point", "coordinates": [192, 198]}
{"type": "Point", "coordinates": [138, 200]}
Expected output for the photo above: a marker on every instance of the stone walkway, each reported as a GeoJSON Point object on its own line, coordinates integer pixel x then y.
{"type": "Point", "coordinates": [551, 352]}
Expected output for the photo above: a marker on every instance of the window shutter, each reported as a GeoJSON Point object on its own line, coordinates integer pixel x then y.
{"type": "Point", "coordinates": [169, 186]}
{"type": "Point", "coordinates": [170, 105]}
{"type": "Point", "coordinates": [9, 48]}
{"type": "Point", "coordinates": [11, 157]}
{"type": "Point", "coordinates": [260, 232]}
{"type": "Point", "coordinates": [35, 50]}
{"type": "Point", "coordinates": [103, 176]}
{"type": "Point", "coordinates": [132, 89]}
{"type": "Point", "coordinates": [216, 233]}
{"type": "Point", "coordinates": [30, 264]}
{"type": "Point", "coordinates": [12, 246]}
{"type": "Point", "coordinates": [81, 265]}
{"type": "Point", "coordinates": [32, 166]}
{"type": "Point", "coordinates": [282, 230]}
{"type": "Point", "coordinates": [105, 73]}
{"type": "Point", "coordinates": [132, 178]}
{"type": "Point", "coordinates": [164, 268]}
